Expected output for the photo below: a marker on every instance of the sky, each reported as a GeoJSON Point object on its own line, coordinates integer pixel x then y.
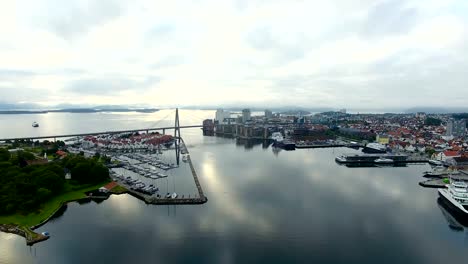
{"type": "Point", "coordinates": [335, 53]}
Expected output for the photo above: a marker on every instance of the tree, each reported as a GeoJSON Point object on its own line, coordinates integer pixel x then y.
{"type": "Point", "coordinates": [430, 121]}
{"type": "Point", "coordinates": [4, 154]}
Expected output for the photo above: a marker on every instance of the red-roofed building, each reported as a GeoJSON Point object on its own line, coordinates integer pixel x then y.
{"type": "Point", "coordinates": [61, 154]}
{"type": "Point", "coordinates": [447, 154]}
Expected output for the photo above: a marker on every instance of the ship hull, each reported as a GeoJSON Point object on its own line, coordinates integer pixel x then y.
{"type": "Point", "coordinates": [456, 205]}
{"type": "Point", "coordinates": [373, 150]}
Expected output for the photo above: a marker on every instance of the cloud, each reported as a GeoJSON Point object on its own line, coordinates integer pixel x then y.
{"type": "Point", "coordinates": [390, 17]}
{"type": "Point", "coordinates": [364, 54]}
{"type": "Point", "coordinates": [111, 85]}
{"type": "Point", "coordinates": [77, 17]}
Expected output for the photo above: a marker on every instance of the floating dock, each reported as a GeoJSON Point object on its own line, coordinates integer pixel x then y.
{"type": "Point", "coordinates": [370, 158]}
{"type": "Point", "coordinates": [151, 199]}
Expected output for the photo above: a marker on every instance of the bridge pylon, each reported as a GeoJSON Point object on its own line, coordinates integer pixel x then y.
{"type": "Point", "coordinates": [177, 135]}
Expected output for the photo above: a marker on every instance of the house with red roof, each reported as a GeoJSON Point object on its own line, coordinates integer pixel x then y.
{"type": "Point", "coordinates": [444, 155]}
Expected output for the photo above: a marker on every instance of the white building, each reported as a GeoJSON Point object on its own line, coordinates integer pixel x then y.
{"type": "Point", "coordinates": [245, 115]}
{"type": "Point", "coordinates": [456, 128]}
{"type": "Point", "coordinates": [221, 114]}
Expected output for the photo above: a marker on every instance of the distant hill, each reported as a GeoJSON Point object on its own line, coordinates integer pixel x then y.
{"type": "Point", "coordinates": [437, 110]}
{"type": "Point", "coordinates": [78, 110]}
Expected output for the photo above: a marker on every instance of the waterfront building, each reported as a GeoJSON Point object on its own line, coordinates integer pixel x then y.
{"type": "Point", "coordinates": [268, 114]}
{"type": "Point", "coordinates": [221, 115]}
{"type": "Point", "coordinates": [245, 115]}
{"type": "Point", "coordinates": [382, 139]}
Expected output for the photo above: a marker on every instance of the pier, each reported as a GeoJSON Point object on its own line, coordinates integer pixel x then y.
{"type": "Point", "coordinates": [370, 158]}
{"type": "Point", "coordinates": [152, 199]}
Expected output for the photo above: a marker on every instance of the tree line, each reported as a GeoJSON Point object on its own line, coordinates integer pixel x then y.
{"type": "Point", "coordinates": [24, 188]}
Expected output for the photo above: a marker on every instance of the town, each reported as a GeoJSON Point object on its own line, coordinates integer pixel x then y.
{"type": "Point", "coordinates": [437, 137]}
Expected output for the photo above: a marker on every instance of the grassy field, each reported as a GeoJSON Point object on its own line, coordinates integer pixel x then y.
{"type": "Point", "coordinates": [118, 189]}
{"type": "Point", "coordinates": [47, 209]}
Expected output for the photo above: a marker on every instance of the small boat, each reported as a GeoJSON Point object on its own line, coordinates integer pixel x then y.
{"type": "Point", "coordinates": [436, 162]}
{"type": "Point", "coordinates": [168, 195]}
{"type": "Point", "coordinates": [384, 161]}
{"type": "Point", "coordinates": [45, 234]}
{"type": "Point", "coordinates": [174, 195]}
{"type": "Point", "coordinates": [341, 158]}
{"type": "Point", "coordinates": [35, 124]}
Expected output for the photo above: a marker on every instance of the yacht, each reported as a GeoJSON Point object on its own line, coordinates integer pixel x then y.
{"type": "Point", "coordinates": [35, 124]}
{"type": "Point", "coordinates": [341, 158]}
{"type": "Point", "coordinates": [384, 161]}
{"type": "Point", "coordinates": [457, 194]}
{"type": "Point", "coordinates": [374, 148]}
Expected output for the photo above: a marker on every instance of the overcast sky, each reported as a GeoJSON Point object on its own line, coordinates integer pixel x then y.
{"type": "Point", "coordinates": [335, 53]}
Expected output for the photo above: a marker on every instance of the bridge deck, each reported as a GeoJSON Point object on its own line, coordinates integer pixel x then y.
{"type": "Point", "coordinates": [96, 133]}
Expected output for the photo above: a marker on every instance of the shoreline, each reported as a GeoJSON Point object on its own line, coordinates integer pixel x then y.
{"type": "Point", "coordinates": [28, 232]}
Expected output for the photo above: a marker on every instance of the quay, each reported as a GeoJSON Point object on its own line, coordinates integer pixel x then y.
{"type": "Point", "coordinates": [304, 146]}
{"type": "Point", "coordinates": [370, 158]}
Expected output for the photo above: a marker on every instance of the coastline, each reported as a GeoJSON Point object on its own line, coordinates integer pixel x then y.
{"type": "Point", "coordinates": [27, 231]}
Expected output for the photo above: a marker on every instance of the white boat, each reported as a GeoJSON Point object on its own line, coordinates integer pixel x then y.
{"type": "Point", "coordinates": [384, 161]}
{"type": "Point", "coordinates": [174, 195]}
{"type": "Point", "coordinates": [457, 194]}
{"type": "Point", "coordinates": [341, 158]}
{"type": "Point", "coordinates": [184, 158]}
{"type": "Point", "coordinates": [436, 162]}
{"type": "Point", "coordinates": [35, 124]}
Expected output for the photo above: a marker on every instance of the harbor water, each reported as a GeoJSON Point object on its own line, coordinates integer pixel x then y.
{"type": "Point", "coordinates": [265, 206]}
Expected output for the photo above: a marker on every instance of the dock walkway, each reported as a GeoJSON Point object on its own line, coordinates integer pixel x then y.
{"type": "Point", "coordinates": [151, 199]}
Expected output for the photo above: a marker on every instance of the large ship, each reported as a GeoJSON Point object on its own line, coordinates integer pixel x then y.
{"type": "Point", "coordinates": [457, 194]}
{"type": "Point", "coordinates": [280, 142]}
{"type": "Point", "coordinates": [374, 148]}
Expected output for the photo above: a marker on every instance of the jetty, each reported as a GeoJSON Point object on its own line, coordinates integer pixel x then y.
{"type": "Point", "coordinates": [370, 158]}
{"type": "Point", "coordinates": [162, 200]}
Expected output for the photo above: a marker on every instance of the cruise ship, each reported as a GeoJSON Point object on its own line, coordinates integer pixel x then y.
{"type": "Point", "coordinates": [457, 194]}
{"type": "Point", "coordinates": [374, 148]}
{"type": "Point", "coordinates": [280, 142]}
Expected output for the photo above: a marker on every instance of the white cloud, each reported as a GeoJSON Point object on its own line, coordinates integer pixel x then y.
{"type": "Point", "coordinates": [206, 52]}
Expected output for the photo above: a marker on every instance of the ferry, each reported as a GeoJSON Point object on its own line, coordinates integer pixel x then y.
{"type": "Point", "coordinates": [457, 194]}
{"type": "Point", "coordinates": [35, 124]}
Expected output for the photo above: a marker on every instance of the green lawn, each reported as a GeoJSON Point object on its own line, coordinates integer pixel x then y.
{"type": "Point", "coordinates": [70, 193]}
{"type": "Point", "coordinates": [118, 189]}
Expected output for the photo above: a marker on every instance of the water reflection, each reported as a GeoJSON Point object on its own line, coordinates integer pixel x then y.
{"type": "Point", "coordinates": [296, 207]}
{"type": "Point", "coordinates": [456, 220]}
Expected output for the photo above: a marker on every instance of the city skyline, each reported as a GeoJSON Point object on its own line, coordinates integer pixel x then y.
{"type": "Point", "coordinates": [390, 54]}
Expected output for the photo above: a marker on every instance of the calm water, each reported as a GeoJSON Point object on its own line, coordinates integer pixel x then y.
{"type": "Point", "coordinates": [264, 207]}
